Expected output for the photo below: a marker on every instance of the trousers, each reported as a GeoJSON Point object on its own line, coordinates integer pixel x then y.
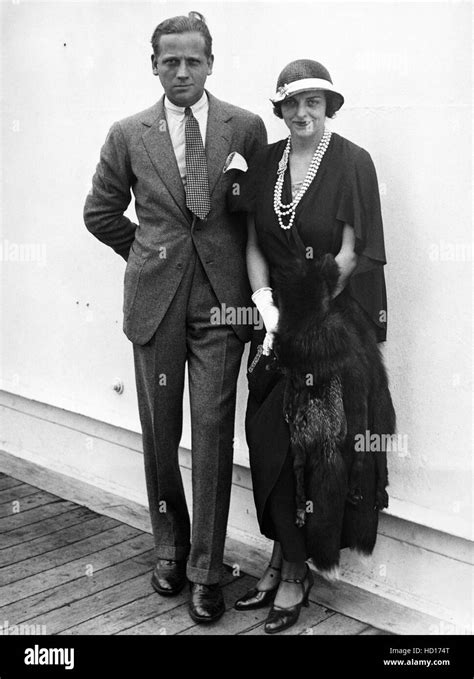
{"type": "Point", "coordinates": [189, 335]}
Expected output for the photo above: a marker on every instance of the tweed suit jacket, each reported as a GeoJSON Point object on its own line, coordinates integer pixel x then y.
{"type": "Point", "coordinates": [138, 156]}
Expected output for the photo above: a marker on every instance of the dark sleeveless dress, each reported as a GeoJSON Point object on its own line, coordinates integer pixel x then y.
{"type": "Point", "coordinates": [345, 190]}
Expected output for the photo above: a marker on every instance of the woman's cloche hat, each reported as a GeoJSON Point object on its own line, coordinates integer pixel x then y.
{"type": "Point", "coordinates": [302, 75]}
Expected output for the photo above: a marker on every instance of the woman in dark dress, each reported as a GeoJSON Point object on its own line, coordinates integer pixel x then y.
{"type": "Point", "coordinates": [309, 194]}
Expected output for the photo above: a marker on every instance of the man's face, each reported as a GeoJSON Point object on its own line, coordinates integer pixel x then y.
{"type": "Point", "coordinates": [182, 67]}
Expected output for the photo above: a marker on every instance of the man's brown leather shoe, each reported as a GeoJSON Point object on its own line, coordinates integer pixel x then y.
{"type": "Point", "coordinates": [169, 577]}
{"type": "Point", "coordinates": [207, 603]}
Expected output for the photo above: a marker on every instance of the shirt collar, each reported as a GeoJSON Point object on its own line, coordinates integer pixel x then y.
{"type": "Point", "coordinates": [195, 108]}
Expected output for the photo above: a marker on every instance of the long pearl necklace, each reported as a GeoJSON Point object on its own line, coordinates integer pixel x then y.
{"type": "Point", "coordinates": [280, 208]}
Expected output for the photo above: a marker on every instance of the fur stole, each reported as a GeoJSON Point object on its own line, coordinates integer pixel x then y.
{"type": "Point", "coordinates": [336, 388]}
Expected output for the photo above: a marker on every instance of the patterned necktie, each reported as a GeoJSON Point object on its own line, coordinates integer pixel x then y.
{"type": "Point", "coordinates": [197, 182]}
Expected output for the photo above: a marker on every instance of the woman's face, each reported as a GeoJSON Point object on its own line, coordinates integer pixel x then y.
{"type": "Point", "coordinates": [305, 114]}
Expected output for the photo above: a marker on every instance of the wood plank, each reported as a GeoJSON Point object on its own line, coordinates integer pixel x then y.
{"type": "Point", "coordinates": [148, 605]}
{"type": "Point", "coordinates": [377, 611]}
{"type": "Point", "coordinates": [79, 491]}
{"type": "Point", "coordinates": [29, 510]}
{"type": "Point", "coordinates": [9, 482]}
{"type": "Point", "coordinates": [373, 631]}
{"type": "Point", "coordinates": [24, 534]}
{"type": "Point", "coordinates": [173, 618]}
{"type": "Point", "coordinates": [8, 495]}
{"type": "Point", "coordinates": [70, 617]}
{"type": "Point", "coordinates": [168, 622]}
{"type": "Point", "coordinates": [335, 624]}
{"type": "Point", "coordinates": [50, 545]}
{"type": "Point", "coordinates": [309, 617]}
{"type": "Point", "coordinates": [63, 595]}
{"type": "Point", "coordinates": [75, 569]}
{"type": "Point", "coordinates": [139, 609]}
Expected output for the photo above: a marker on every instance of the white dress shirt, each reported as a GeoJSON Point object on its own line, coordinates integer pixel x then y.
{"type": "Point", "coordinates": [176, 121]}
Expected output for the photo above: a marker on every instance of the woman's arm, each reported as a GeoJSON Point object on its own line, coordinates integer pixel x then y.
{"type": "Point", "coordinates": [259, 277]}
{"type": "Point", "coordinates": [346, 258]}
{"type": "Point", "coordinates": [257, 267]}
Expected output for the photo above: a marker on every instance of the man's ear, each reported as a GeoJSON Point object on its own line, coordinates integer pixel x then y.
{"type": "Point", "coordinates": [210, 64]}
{"type": "Point", "coordinates": [154, 66]}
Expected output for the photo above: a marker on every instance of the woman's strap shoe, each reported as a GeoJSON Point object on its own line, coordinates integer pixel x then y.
{"type": "Point", "coordinates": [280, 618]}
{"type": "Point", "coordinates": [256, 598]}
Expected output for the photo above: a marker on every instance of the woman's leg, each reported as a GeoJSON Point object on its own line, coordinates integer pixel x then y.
{"type": "Point", "coordinates": [292, 546]}
{"type": "Point", "coordinates": [291, 593]}
{"type": "Point", "coordinates": [281, 515]}
{"type": "Point", "coordinates": [272, 574]}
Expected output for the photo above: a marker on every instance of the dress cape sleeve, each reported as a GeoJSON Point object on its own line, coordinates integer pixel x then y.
{"type": "Point", "coordinates": [359, 207]}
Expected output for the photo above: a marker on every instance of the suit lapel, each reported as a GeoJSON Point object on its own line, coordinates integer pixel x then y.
{"type": "Point", "coordinates": [157, 141]}
{"type": "Point", "coordinates": [218, 139]}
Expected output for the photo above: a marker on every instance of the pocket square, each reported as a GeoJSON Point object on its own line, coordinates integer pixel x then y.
{"type": "Point", "coordinates": [235, 162]}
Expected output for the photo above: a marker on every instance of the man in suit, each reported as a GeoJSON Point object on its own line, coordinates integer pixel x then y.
{"type": "Point", "coordinates": [185, 257]}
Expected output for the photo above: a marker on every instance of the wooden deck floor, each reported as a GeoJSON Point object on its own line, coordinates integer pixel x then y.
{"type": "Point", "coordinates": [65, 569]}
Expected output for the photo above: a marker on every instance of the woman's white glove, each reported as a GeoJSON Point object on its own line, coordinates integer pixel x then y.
{"type": "Point", "coordinates": [263, 300]}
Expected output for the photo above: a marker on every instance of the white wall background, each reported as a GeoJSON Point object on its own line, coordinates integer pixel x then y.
{"type": "Point", "coordinates": [72, 68]}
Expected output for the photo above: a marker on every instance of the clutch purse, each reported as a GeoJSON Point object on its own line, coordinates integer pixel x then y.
{"type": "Point", "coordinates": [262, 374]}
